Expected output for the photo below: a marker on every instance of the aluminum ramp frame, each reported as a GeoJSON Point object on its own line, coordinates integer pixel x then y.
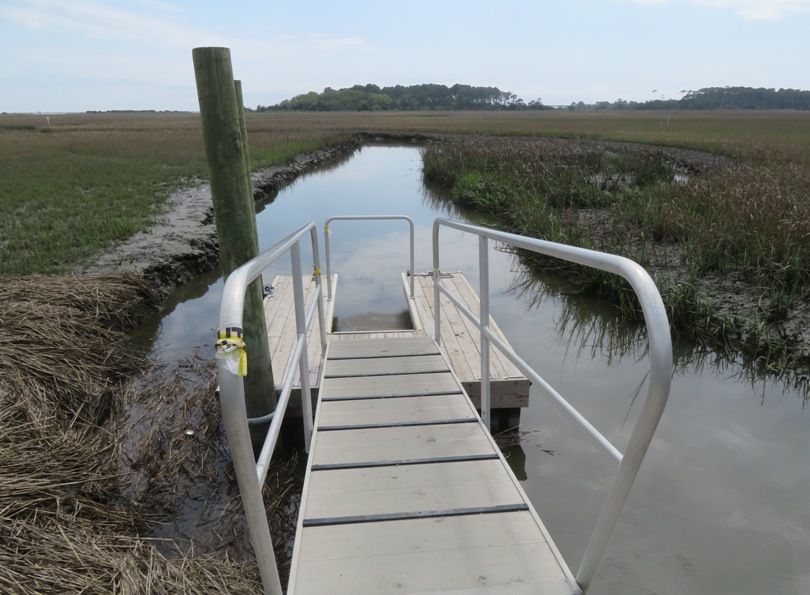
{"type": "Point", "coordinates": [406, 491]}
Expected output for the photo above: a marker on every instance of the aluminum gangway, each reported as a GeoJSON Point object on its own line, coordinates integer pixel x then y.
{"type": "Point", "coordinates": [406, 492]}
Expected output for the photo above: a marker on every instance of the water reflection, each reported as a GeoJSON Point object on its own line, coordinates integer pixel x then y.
{"type": "Point", "coordinates": [590, 326]}
{"type": "Point", "coordinates": [188, 319]}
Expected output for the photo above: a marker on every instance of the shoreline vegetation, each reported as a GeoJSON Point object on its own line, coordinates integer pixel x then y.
{"type": "Point", "coordinates": [725, 240]}
{"type": "Point", "coordinates": [88, 474]}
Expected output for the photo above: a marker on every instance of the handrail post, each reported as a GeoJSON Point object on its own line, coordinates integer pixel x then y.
{"type": "Point", "coordinates": [483, 273]}
{"type": "Point", "coordinates": [234, 419]}
{"type": "Point", "coordinates": [316, 262]}
{"type": "Point", "coordinates": [326, 232]}
{"type": "Point", "coordinates": [437, 310]}
{"type": "Point", "coordinates": [301, 331]}
{"type": "Point", "coordinates": [411, 271]}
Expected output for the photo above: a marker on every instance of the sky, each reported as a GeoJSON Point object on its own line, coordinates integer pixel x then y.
{"type": "Point", "coordinates": [82, 55]}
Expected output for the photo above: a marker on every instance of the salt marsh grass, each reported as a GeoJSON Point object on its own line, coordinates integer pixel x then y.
{"type": "Point", "coordinates": [710, 229]}
{"type": "Point", "coordinates": [85, 182]}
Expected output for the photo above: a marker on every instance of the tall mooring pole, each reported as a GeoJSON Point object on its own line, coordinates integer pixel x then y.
{"type": "Point", "coordinates": [234, 213]}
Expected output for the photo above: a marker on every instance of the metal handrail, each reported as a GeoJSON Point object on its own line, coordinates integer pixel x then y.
{"type": "Point", "coordinates": [327, 231]}
{"type": "Point", "coordinates": [660, 353]}
{"type": "Point", "coordinates": [251, 474]}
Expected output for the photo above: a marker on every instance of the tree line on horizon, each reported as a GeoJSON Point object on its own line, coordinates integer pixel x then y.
{"type": "Point", "coordinates": [371, 97]}
{"type": "Point", "coordinates": [411, 98]}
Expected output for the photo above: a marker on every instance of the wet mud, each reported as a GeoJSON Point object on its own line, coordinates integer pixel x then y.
{"type": "Point", "coordinates": [183, 244]}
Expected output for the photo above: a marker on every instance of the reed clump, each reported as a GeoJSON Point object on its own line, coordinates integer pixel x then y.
{"type": "Point", "coordinates": [96, 463]}
{"type": "Point", "coordinates": [708, 229]}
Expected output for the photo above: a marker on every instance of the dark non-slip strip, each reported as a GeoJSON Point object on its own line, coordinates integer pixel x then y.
{"type": "Point", "coordinates": [340, 358]}
{"type": "Point", "coordinates": [403, 396]}
{"type": "Point", "coordinates": [398, 424]}
{"type": "Point", "coordinates": [373, 374]}
{"type": "Point", "coordinates": [405, 516]}
{"type": "Point", "coordinates": [402, 462]}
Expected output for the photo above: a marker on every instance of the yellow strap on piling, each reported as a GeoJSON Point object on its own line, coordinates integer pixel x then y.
{"type": "Point", "coordinates": [316, 272]}
{"type": "Point", "coordinates": [231, 347]}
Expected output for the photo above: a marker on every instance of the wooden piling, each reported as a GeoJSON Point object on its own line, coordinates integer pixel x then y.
{"type": "Point", "coordinates": [234, 211]}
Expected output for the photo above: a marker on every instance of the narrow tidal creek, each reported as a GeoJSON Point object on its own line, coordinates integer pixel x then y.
{"type": "Point", "coordinates": [721, 502]}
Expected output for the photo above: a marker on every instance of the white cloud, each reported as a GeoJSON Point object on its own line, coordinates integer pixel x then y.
{"type": "Point", "coordinates": [101, 20]}
{"type": "Point", "coordinates": [156, 24]}
{"type": "Point", "coordinates": [760, 10]}
{"type": "Point", "coordinates": [753, 10]}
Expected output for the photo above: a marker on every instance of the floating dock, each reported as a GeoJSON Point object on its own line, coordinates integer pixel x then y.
{"type": "Point", "coordinates": [406, 491]}
{"type": "Point", "coordinates": [461, 339]}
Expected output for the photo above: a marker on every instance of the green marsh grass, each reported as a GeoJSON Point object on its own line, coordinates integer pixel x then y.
{"type": "Point", "coordinates": [72, 188]}
{"type": "Point", "coordinates": [749, 217]}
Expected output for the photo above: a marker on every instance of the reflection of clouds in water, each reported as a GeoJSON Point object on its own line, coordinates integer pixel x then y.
{"type": "Point", "coordinates": [370, 267]}
{"type": "Point", "coordinates": [192, 323]}
{"type": "Point", "coordinates": [369, 273]}
{"type": "Point", "coordinates": [726, 464]}
{"type": "Point", "coordinates": [358, 173]}
{"type": "Point", "coordinates": [734, 437]}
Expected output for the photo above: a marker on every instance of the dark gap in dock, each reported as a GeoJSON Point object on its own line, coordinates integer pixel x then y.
{"type": "Point", "coordinates": [347, 357]}
{"type": "Point", "coordinates": [403, 396]}
{"type": "Point", "coordinates": [377, 374]}
{"type": "Point", "coordinates": [407, 516]}
{"type": "Point", "coordinates": [399, 424]}
{"type": "Point", "coordinates": [404, 462]}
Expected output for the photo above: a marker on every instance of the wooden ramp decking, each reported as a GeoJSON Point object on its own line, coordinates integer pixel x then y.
{"type": "Point", "coordinates": [406, 492]}
{"type": "Point", "coordinates": [461, 340]}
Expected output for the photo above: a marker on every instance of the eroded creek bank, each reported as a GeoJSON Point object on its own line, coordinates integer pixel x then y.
{"type": "Point", "coordinates": [183, 243]}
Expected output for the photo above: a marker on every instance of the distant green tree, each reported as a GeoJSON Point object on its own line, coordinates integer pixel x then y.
{"type": "Point", "coordinates": [745, 98]}
{"type": "Point", "coordinates": [428, 96]}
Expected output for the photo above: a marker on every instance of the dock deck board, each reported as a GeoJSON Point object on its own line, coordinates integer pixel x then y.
{"type": "Point", "coordinates": [279, 313]}
{"type": "Point", "coordinates": [406, 492]}
{"type": "Point", "coordinates": [461, 340]}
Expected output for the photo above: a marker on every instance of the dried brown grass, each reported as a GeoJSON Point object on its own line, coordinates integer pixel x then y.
{"type": "Point", "coordinates": [69, 521]}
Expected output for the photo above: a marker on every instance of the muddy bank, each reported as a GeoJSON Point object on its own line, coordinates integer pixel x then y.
{"type": "Point", "coordinates": [183, 243]}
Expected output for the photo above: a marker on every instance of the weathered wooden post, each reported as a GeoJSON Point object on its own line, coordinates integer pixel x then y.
{"type": "Point", "coordinates": [234, 213]}
{"type": "Point", "coordinates": [240, 104]}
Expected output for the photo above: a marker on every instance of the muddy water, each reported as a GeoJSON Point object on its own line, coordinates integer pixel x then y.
{"type": "Point", "coordinates": [720, 505]}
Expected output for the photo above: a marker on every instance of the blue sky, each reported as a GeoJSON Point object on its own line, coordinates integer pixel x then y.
{"type": "Point", "coordinates": [78, 55]}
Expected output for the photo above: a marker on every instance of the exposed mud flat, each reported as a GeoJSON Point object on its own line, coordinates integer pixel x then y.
{"type": "Point", "coordinates": [183, 243]}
